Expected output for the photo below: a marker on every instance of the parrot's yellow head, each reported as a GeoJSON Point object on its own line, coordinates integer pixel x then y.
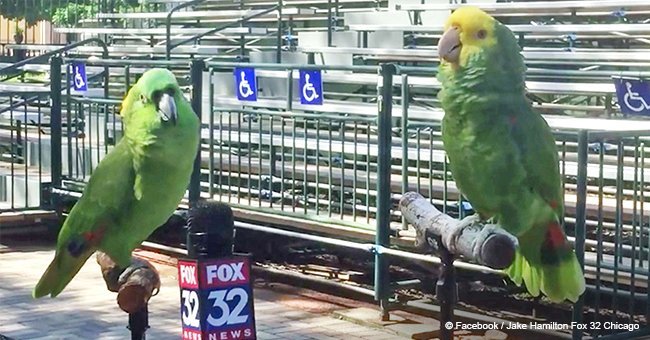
{"type": "Point", "coordinates": [468, 30]}
{"type": "Point", "coordinates": [157, 90]}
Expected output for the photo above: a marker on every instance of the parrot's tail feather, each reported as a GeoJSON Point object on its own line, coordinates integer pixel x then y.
{"type": "Point", "coordinates": [559, 282]}
{"type": "Point", "coordinates": [59, 273]}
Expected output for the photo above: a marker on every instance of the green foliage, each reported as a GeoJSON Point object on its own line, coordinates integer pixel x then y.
{"type": "Point", "coordinates": [61, 12]}
{"type": "Point", "coordinates": [18, 30]}
{"type": "Point", "coordinates": [70, 15]}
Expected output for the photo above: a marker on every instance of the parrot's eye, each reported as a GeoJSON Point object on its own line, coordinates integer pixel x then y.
{"type": "Point", "coordinates": [481, 34]}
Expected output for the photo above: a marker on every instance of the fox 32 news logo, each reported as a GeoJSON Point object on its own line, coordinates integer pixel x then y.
{"type": "Point", "coordinates": [216, 299]}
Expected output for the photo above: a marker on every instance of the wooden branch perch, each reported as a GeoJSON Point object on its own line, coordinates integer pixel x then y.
{"type": "Point", "coordinates": [488, 244]}
{"type": "Point", "coordinates": [134, 285]}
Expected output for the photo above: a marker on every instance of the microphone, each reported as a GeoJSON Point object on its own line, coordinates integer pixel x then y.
{"type": "Point", "coordinates": [210, 230]}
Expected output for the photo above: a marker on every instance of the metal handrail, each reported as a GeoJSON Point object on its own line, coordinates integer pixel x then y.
{"type": "Point", "coordinates": [168, 24]}
{"type": "Point", "coordinates": [19, 64]}
{"type": "Point", "coordinates": [245, 19]}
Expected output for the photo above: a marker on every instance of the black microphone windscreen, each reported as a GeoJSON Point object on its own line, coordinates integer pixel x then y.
{"type": "Point", "coordinates": [210, 214]}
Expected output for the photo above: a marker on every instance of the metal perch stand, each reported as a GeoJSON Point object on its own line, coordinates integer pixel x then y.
{"type": "Point", "coordinates": [485, 244]}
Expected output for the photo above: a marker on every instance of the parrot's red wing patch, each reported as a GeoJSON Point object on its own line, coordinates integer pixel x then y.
{"type": "Point", "coordinates": [94, 237]}
{"type": "Point", "coordinates": [555, 246]}
{"type": "Point", "coordinates": [554, 236]}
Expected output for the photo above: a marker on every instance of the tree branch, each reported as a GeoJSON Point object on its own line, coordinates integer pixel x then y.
{"type": "Point", "coordinates": [487, 245]}
{"type": "Point", "coordinates": [134, 285]}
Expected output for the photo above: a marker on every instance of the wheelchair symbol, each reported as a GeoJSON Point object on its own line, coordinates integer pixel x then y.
{"type": "Point", "coordinates": [308, 91]}
{"type": "Point", "coordinates": [634, 97]}
{"type": "Point", "coordinates": [244, 87]}
{"type": "Point", "coordinates": [79, 81]}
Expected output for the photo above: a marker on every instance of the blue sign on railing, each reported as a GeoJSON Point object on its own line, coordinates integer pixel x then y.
{"type": "Point", "coordinates": [245, 84]}
{"type": "Point", "coordinates": [310, 87]}
{"type": "Point", "coordinates": [79, 80]}
{"type": "Point", "coordinates": [633, 95]}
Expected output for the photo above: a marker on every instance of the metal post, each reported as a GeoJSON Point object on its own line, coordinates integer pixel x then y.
{"type": "Point", "coordinates": [196, 70]}
{"type": "Point", "coordinates": [139, 323]}
{"type": "Point", "coordinates": [405, 139]}
{"type": "Point", "coordinates": [329, 23]}
{"type": "Point", "coordinates": [278, 51]}
{"type": "Point", "coordinates": [289, 90]}
{"type": "Point", "coordinates": [382, 237]}
{"type": "Point", "coordinates": [581, 200]}
{"type": "Point", "coordinates": [55, 122]}
{"type": "Point", "coordinates": [446, 292]}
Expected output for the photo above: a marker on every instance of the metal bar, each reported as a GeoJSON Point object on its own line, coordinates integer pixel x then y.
{"type": "Point", "coordinates": [599, 233]}
{"type": "Point", "coordinates": [329, 23]}
{"type": "Point", "coordinates": [284, 67]}
{"type": "Point", "coordinates": [618, 241]}
{"type": "Point", "coordinates": [168, 24]}
{"type": "Point", "coordinates": [635, 199]}
{"type": "Point", "coordinates": [13, 160]}
{"type": "Point", "coordinates": [55, 123]}
{"type": "Point", "coordinates": [211, 135]}
{"type": "Point", "coordinates": [33, 60]}
{"type": "Point", "coordinates": [196, 71]}
{"type": "Point", "coordinates": [171, 46]}
{"type": "Point", "coordinates": [405, 139]}
{"type": "Point", "coordinates": [382, 238]}
{"type": "Point", "coordinates": [278, 50]}
{"type": "Point", "coordinates": [446, 292]}
{"type": "Point", "coordinates": [581, 202]}
{"type": "Point", "coordinates": [330, 181]}
{"type": "Point", "coordinates": [128, 62]}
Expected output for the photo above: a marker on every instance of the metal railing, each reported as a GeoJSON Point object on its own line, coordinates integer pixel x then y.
{"type": "Point", "coordinates": [340, 169]}
{"type": "Point", "coordinates": [170, 46]}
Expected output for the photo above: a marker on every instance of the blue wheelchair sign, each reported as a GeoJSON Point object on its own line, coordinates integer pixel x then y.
{"type": "Point", "coordinates": [633, 95]}
{"type": "Point", "coordinates": [245, 83]}
{"type": "Point", "coordinates": [79, 80]}
{"type": "Point", "coordinates": [310, 86]}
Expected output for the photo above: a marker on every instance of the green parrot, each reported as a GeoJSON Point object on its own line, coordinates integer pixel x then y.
{"type": "Point", "coordinates": [136, 187]}
{"type": "Point", "coordinates": [502, 153]}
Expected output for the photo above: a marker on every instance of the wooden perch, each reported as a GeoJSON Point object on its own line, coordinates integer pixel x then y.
{"type": "Point", "coordinates": [134, 285]}
{"type": "Point", "coordinates": [488, 244]}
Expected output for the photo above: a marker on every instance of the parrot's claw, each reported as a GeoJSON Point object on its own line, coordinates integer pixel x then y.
{"type": "Point", "coordinates": [451, 238]}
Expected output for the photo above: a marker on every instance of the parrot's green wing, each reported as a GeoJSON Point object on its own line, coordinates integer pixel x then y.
{"type": "Point", "coordinates": [539, 157]}
{"type": "Point", "coordinates": [545, 261]}
{"type": "Point", "coordinates": [108, 194]}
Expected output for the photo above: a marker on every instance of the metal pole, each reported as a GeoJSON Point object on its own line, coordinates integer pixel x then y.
{"type": "Point", "coordinates": [382, 238]}
{"type": "Point", "coordinates": [289, 90]}
{"type": "Point", "coordinates": [405, 139]}
{"type": "Point", "coordinates": [278, 51]}
{"type": "Point", "coordinates": [55, 122]}
{"type": "Point", "coordinates": [139, 323]}
{"type": "Point", "coordinates": [581, 201]}
{"type": "Point", "coordinates": [196, 70]}
{"type": "Point", "coordinates": [329, 23]}
{"type": "Point", "coordinates": [446, 293]}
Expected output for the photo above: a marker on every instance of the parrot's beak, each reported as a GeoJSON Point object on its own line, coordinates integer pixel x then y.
{"type": "Point", "coordinates": [449, 45]}
{"type": "Point", "coordinates": [167, 108]}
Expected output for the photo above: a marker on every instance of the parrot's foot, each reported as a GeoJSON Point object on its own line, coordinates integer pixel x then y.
{"type": "Point", "coordinates": [451, 238]}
